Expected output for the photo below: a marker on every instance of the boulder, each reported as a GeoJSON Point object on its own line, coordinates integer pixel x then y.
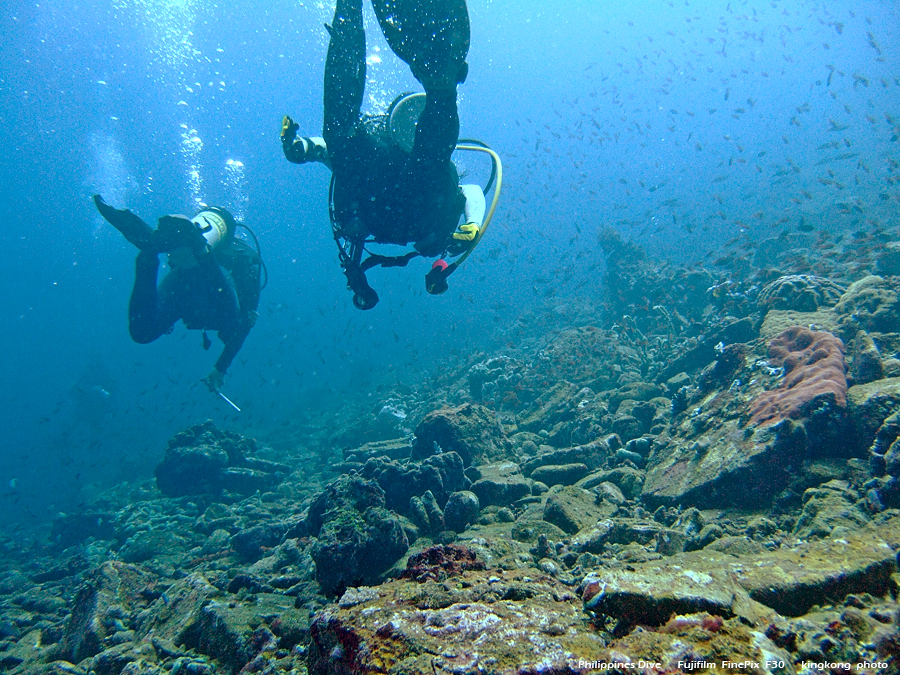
{"type": "Point", "coordinates": [559, 474]}
{"type": "Point", "coordinates": [572, 509]}
{"type": "Point", "coordinates": [357, 538]}
{"type": "Point", "coordinates": [470, 430]}
{"type": "Point", "coordinates": [500, 484]}
{"type": "Point", "coordinates": [461, 510]}
{"type": "Point", "coordinates": [203, 459]}
{"type": "Point", "coordinates": [101, 607]}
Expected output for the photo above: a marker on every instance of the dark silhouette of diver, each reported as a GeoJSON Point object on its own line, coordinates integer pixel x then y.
{"type": "Point", "coordinates": [393, 178]}
{"type": "Point", "coordinates": [213, 282]}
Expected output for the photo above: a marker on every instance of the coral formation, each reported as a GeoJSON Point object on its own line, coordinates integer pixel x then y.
{"type": "Point", "coordinates": [814, 374]}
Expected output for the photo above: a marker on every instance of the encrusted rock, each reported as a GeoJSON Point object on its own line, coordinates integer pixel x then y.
{"type": "Point", "coordinates": [554, 405]}
{"type": "Point", "coordinates": [496, 377]}
{"type": "Point", "coordinates": [462, 509]}
{"type": "Point", "coordinates": [357, 539]}
{"type": "Point", "coordinates": [787, 580]}
{"type": "Point", "coordinates": [500, 484]}
{"type": "Point", "coordinates": [102, 607]}
{"type": "Point", "coordinates": [871, 404]}
{"type": "Point", "coordinates": [800, 292]}
{"type": "Point", "coordinates": [866, 365]}
{"type": "Point", "coordinates": [440, 474]}
{"type": "Point", "coordinates": [582, 355]}
{"type": "Point", "coordinates": [517, 623]}
{"type": "Point", "coordinates": [252, 542]}
{"type": "Point", "coordinates": [827, 507]}
{"type": "Point", "coordinates": [440, 562]}
{"type": "Point", "coordinates": [470, 430]}
{"type": "Point", "coordinates": [717, 473]}
{"type": "Point", "coordinates": [559, 474]}
{"type": "Point", "coordinates": [628, 479]}
{"type": "Point", "coordinates": [871, 304]}
{"type": "Point", "coordinates": [777, 321]}
{"type": "Point", "coordinates": [572, 508]}
{"type": "Point", "coordinates": [592, 455]}
{"type": "Point", "coordinates": [394, 448]}
{"type": "Point", "coordinates": [203, 459]}
{"type": "Point", "coordinates": [888, 263]}
{"type": "Point", "coordinates": [742, 330]}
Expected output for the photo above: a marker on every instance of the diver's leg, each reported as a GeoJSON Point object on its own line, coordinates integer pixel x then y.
{"type": "Point", "coordinates": [432, 36]}
{"type": "Point", "coordinates": [143, 309]}
{"type": "Point", "coordinates": [437, 130]}
{"type": "Point", "coordinates": [345, 72]}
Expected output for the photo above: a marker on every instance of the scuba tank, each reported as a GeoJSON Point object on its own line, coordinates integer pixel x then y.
{"type": "Point", "coordinates": [217, 227]}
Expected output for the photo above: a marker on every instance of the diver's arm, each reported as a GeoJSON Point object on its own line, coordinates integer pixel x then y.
{"type": "Point", "coordinates": [245, 267]}
{"type": "Point", "coordinates": [235, 342]}
{"type": "Point", "coordinates": [305, 149]}
{"type": "Point", "coordinates": [474, 204]}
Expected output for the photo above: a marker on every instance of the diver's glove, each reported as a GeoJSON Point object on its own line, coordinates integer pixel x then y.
{"type": "Point", "coordinates": [463, 239]}
{"type": "Point", "coordinates": [466, 232]}
{"type": "Point", "coordinates": [214, 380]}
{"type": "Point", "coordinates": [288, 130]}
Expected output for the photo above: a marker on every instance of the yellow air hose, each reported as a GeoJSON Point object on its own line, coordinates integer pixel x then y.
{"type": "Point", "coordinates": [495, 158]}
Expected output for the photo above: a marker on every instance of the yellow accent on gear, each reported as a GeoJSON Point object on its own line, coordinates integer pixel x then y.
{"type": "Point", "coordinates": [466, 232]}
{"type": "Point", "coordinates": [490, 214]}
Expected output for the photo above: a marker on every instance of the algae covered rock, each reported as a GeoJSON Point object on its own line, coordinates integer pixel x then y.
{"type": "Point", "coordinates": [357, 538]}
{"type": "Point", "coordinates": [101, 608]}
{"type": "Point", "coordinates": [555, 405]}
{"type": "Point", "coordinates": [500, 484]}
{"type": "Point", "coordinates": [519, 622]}
{"type": "Point", "coordinates": [572, 508]}
{"type": "Point", "coordinates": [470, 430]}
{"type": "Point", "coordinates": [440, 474]}
{"type": "Point", "coordinates": [462, 508]}
{"type": "Point", "coordinates": [800, 292]}
{"type": "Point", "coordinates": [872, 303]}
{"type": "Point", "coordinates": [559, 474]}
{"type": "Point", "coordinates": [204, 459]}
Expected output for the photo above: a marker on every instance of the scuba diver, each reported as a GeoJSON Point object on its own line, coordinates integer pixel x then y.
{"type": "Point", "coordinates": [213, 282]}
{"type": "Point", "coordinates": [393, 180]}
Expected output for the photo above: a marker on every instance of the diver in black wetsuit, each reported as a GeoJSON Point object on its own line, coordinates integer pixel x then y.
{"type": "Point", "coordinates": [213, 282]}
{"type": "Point", "coordinates": [388, 189]}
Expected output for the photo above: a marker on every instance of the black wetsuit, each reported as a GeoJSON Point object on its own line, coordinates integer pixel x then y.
{"type": "Point", "coordinates": [381, 190]}
{"type": "Point", "coordinates": [221, 293]}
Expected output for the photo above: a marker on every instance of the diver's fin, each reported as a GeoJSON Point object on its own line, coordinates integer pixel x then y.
{"type": "Point", "coordinates": [432, 36]}
{"type": "Point", "coordinates": [131, 226]}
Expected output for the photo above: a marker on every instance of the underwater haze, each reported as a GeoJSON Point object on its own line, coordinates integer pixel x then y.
{"type": "Point", "coordinates": [688, 127]}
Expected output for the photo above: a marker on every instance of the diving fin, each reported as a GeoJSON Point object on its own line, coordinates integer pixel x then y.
{"type": "Point", "coordinates": [432, 36]}
{"type": "Point", "coordinates": [131, 226]}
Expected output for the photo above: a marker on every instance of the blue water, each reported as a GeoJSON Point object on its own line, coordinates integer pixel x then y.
{"type": "Point", "coordinates": [683, 125]}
